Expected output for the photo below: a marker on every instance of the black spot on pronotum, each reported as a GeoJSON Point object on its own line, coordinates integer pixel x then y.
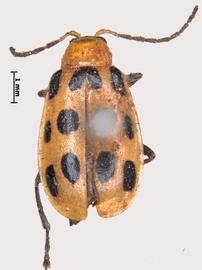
{"type": "Point", "coordinates": [94, 78]}
{"type": "Point", "coordinates": [67, 121]}
{"type": "Point", "coordinates": [77, 79]}
{"type": "Point", "coordinates": [70, 167]}
{"type": "Point", "coordinates": [54, 84]}
{"type": "Point", "coordinates": [47, 131]}
{"type": "Point", "coordinates": [128, 127]}
{"type": "Point", "coordinates": [129, 173]}
{"type": "Point", "coordinates": [51, 181]}
{"type": "Point", "coordinates": [117, 80]}
{"type": "Point", "coordinates": [105, 165]}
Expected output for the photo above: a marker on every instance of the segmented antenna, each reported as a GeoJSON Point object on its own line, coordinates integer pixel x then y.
{"type": "Point", "coordinates": [107, 31]}
{"type": "Point", "coordinates": [150, 40]}
{"type": "Point", "coordinates": [48, 45]}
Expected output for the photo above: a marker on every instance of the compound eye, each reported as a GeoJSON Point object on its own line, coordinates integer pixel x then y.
{"type": "Point", "coordinates": [73, 39]}
{"type": "Point", "coordinates": [102, 39]}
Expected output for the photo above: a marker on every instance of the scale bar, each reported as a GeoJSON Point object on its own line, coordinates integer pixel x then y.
{"type": "Point", "coordinates": [14, 80]}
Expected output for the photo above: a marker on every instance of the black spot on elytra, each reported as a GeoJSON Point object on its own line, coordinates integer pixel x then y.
{"type": "Point", "coordinates": [51, 181]}
{"type": "Point", "coordinates": [105, 165]}
{"type": "Point", "coordinates": [67, 121]}
{"type": "Point", "coordinates": [80, 74]}
{"type": "Point", "coordinates": [129, 175]}
{"type": "Point", "coordinates": [117, 80]}
{"type": "Point", "coordinates": [54, 83]}
{"type": "Point", "coordinates": [47, 131]}
{"type": "Point", "coordinates": [70, 167]}
{"type": "Point", "coordinates": [94, 78]}
{"type": "Point", "coordinates": [128, 127]}
{"type": "Point", "coordinates": [77, 79]}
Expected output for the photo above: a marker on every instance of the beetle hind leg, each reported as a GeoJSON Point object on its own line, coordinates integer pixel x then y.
{"type": "Point", "coordinates": [44, 221]}
{"type": "Point", "coordinates": [73, 222]}
{"type": "Point", "coordinates": [149, 153]}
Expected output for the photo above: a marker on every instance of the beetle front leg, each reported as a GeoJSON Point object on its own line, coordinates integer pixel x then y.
{"type": "Point", "coordinates": [149, 153]}
{"type": "Point", "coordinates": [43, 93]}
{"type": "Point", "coordinates": [44, 221]}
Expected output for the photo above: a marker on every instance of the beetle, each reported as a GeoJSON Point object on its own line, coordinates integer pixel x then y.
{"type": "Point", "coordinates": [90, 145]}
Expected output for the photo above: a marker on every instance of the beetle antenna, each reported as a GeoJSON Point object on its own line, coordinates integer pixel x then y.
{"type": "Point", "coordinates": [151, 40]}
{"type": "Point", "coordinates": [47, 46]}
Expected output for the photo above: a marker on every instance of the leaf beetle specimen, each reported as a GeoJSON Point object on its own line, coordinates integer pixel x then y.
{"type": "Point", "coordinates": [90, 146]}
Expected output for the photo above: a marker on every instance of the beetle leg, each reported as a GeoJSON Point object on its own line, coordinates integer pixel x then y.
{"type": "Point", "coordinates": [149, 153]}
{"type": "Point", "coordinates": [43, 93]}
{"type": "Point", "coordinates": [73, 222]}
{"type": "Point", "coordinates": [132, 78]}
{"type": "Point", "coordinates": [44, 221]}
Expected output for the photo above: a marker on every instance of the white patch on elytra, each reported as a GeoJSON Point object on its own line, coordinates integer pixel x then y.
{"type": "Point", "coordinates": [103, 122]}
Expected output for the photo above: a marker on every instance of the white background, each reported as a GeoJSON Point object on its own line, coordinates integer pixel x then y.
{"type": "Point", "coordinates": [162, 229]}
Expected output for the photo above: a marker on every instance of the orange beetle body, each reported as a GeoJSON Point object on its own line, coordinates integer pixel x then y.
{"type": "Point", "coordinates": [90, 145]}
{"type": "Point", "coordinates": [77, 166]}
